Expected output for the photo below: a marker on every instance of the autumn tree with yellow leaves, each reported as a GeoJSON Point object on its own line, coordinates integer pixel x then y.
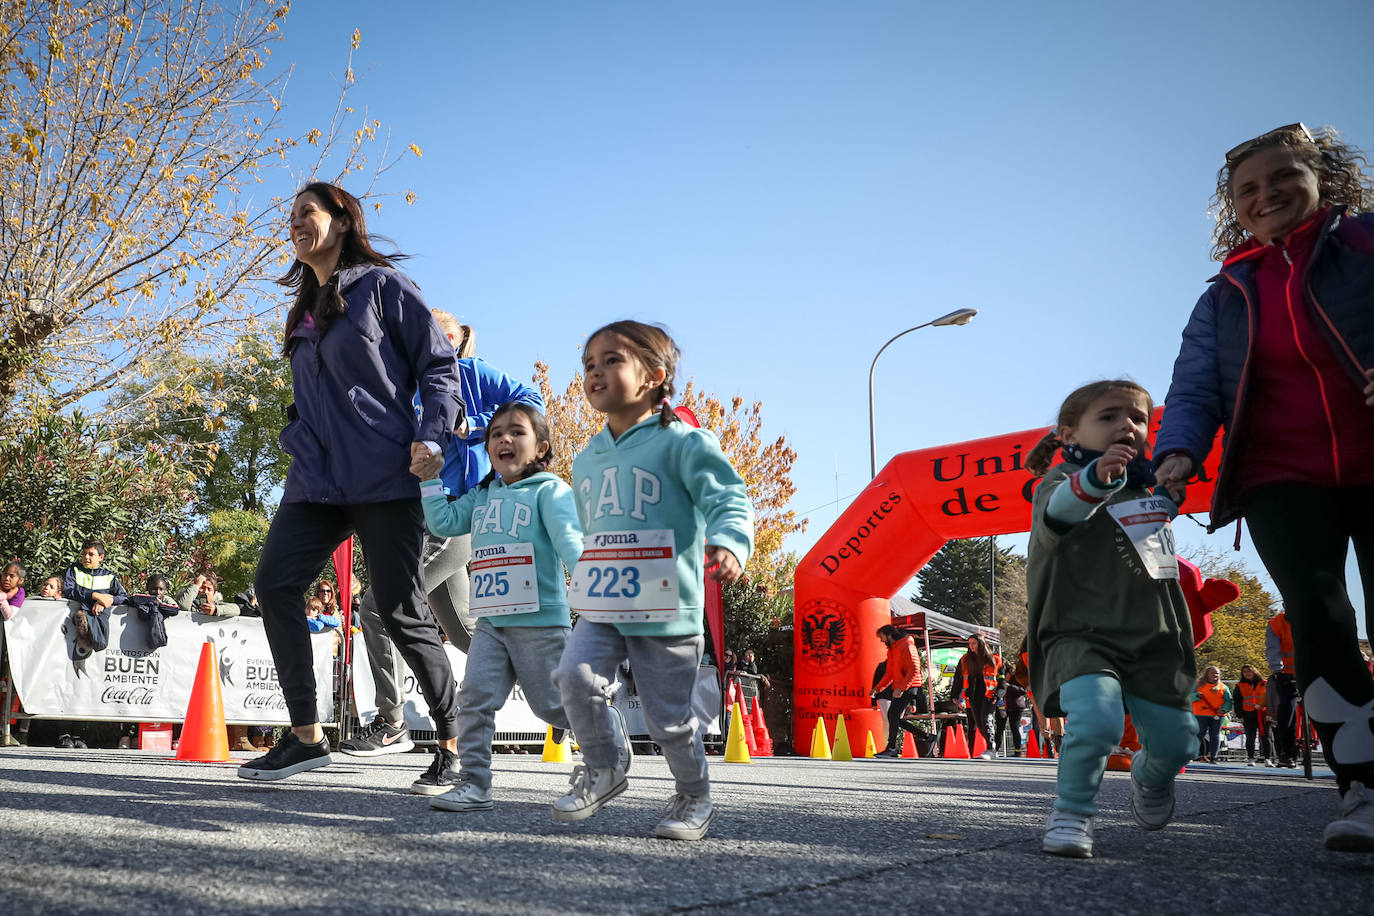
{"type": "Point", "coordinates": [766, 466]}
{"type": "Point", "coordinates": [1237, 628]}
{"type": "Point", "coordinates": [136, 212]}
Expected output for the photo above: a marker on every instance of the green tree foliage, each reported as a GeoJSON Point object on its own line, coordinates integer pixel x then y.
{"type": "Point", "coordinates": [222, 415]}
{"type": "Point", "coordinates": [1238, 637]}
{"type": "Point", "coordinates": [955, 581]}
{"type": "Point", "coordinates": [66, 479]}
{"type": "Point", "coordinates": [233, 542]}
{"type": "Point", "coordinates": [752, 612]}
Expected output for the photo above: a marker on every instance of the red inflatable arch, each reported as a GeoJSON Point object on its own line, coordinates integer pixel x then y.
{"type": "Point", "coordinates": [918, 501]}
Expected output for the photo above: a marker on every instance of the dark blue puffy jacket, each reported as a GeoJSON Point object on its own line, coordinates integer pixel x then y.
{"type": "Point", "coordinates": [1208, 388]}
{"type": "Point", "coordinates": [352, 423]}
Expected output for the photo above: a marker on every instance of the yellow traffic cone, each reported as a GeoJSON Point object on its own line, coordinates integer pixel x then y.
{"type": "Point", "coordinates": [556, 752]}
{"type": "Point", "coordinates": [820, 741]}
{"type": "Point", "coordinates": [736, 747]}
{"type": "Point", "coordinates": [869, 749]}
{"type": "Point", "coordinates": [841, 749]}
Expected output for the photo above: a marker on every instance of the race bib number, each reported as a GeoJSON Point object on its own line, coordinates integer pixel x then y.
{"type": "Point", "coordinates": [1146, 524]}
{"type": "Point", "coordinates": [626, 577]}
{"type": "Point", "coordinates": [503, 581]}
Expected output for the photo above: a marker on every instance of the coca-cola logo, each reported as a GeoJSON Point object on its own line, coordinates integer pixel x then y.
{"type": "Point", "coordinates": [128, 696]}
{"type": "Point", "coordinates": [264, 701]}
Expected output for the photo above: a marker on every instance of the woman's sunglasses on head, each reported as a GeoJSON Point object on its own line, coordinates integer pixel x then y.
{"type": "Point", "coordinates": [1238, 151]}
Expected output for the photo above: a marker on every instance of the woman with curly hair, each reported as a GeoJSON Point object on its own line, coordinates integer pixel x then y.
{"type": "Point", "coordinates": [1280, 351]}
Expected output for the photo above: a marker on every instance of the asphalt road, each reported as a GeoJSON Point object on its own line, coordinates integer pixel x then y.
{"type": "Point", "coordinates": [125, 831]}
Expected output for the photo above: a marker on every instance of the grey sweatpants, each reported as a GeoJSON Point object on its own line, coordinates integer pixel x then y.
{"type": "Point", "coordinates": [665, 673]}
{"type": "Point", "coordinates": [499, 657]}
{"type": "Point", "coordinates": [446, 576]}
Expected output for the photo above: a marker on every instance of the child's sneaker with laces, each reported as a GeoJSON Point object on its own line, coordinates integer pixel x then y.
{"type": "Point", "coordinates": [287, 757]}
{"type": "Point", "coordinates": [590, 788]}
{"type": "Point", "coordinates": [1068, 834]}
{"type": "Point", "coordinates": [466, 796]}
{"type": "Point", "coordinates": [687, 817]}
{"type": "Point", "coordinates": [441, 776]}
{"type": "Point", "coordinates": [1353, 831]}
{"type": "Point", "coordinates": [1151, 807]}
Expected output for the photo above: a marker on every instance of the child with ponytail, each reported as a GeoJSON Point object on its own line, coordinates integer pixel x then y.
{"type": "Point", "coordinates": [1108, 622]}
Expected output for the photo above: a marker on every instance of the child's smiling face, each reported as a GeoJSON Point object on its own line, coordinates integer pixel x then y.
{"type": "Point", "coordinates": [512, 446]}
{"type": "Point", "coordinates": [1117, 417]}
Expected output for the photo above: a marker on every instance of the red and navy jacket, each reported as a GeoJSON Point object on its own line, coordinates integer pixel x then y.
{"type": "Point", "coordinates": [1213, 372]}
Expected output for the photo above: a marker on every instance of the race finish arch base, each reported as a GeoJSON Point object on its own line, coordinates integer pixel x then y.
{"type": "Point", "coordinates": [918, 501]}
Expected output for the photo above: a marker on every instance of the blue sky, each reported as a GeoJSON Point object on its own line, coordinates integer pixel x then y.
{"type": "Point", "coordinates": [786, 185]}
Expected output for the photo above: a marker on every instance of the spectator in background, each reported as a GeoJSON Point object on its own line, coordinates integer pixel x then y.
{"type": "Point", "coordinates": [52, 588]}
{"type": "Point", "coordinates": [314, 611]}
{"type": "Point", "coordinates": [247, 600]}
{"type": "Point", "coordinates": [1211, 701]}
{"type": "Point", "coordinates": [202, 597]}
{"type": "Point", "coordinates": [324, 590]}
{"type": "Point", "coordinates": [95, 589]}
{"type": "Point", "coordinates": [1249, 697]}
{"type": "Point", "coordinates": [1278, 653]}
{"type": "Point", "coordinates": [978, 677]}
{"type": "Point", "coordinates": [1010, 708]}
{"type": "Point", "coordinates": [11, 591]}
{"type": "Point", "coordinates": [905, 676]}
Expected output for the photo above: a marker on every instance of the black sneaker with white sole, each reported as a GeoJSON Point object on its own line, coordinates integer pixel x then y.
{"type": "Point", "coordinates": [287, 757]}
{"type": "Point", "coordinates": [381, 737]}
{"type": "Point", "coordinates": [443, 775]}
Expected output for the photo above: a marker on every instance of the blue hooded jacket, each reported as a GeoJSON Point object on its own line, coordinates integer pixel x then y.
{"type": "Point", "coordinates": [484, 388]}
{"type": "Point", "coordinates": [350, 429]}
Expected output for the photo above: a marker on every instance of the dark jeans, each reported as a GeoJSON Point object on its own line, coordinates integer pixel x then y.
{"type": "Point", "coordinates": [897, 708]}
{"type": "Point", "coordinates": [1302, 534]}
{"type": "Point", "coordinates": [1011, 717]}
{"type": "Point", "coordinates": [1253, 730]}
{"type": "Point", "coordinates": [1208, 736]}
{"type": "Point", "coordinates": [980, 712]}
{"type": "Point", "coordinates": [299, 543]}
{"type": "Point", "coordinates": [1286, 726]}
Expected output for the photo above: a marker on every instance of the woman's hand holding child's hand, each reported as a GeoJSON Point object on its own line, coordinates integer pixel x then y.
{"type": "Point", "coordinates": [722, 564]}
{"type": "Point", "coordinates": [427, 466]}
{"type": "Point", "coordinates": [1113, 462]}
{"type": "Point", "coordinates": [1173, 473]}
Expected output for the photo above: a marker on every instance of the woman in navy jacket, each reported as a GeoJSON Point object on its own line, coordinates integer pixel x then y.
{"type": "Point", "coordinates": [362, 344]}
{"type": "Point", "coordinates": [1279, 351]}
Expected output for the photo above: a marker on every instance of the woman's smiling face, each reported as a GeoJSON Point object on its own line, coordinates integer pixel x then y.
{"type": "Point", "coordinates": [1274, 192]}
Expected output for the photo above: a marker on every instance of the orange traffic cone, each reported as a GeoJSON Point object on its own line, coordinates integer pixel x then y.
{"type": "Point", "coordinates": [909, 746]}
{"type": "Point", "coordinates": [747, 722]}
{"type": "Point", "coordinates": [956, 748]}
{"type": "Point", "coordinates": [203, 738]}
{"type": "Point", "coordinates": [1033, 745]}
{"type": "Point", "coordinates": [979, 745]}
{"type": "Point", "coordinates": [761, 736]}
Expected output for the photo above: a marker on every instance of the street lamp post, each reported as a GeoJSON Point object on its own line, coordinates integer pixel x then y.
{"type": "Point", "coordinates": [960, 316]}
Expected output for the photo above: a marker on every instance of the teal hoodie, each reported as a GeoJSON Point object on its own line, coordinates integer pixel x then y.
{"type": "Point", "coordinates": [666, 477]}
{"type": "Point", "coordinates": [538, 510]}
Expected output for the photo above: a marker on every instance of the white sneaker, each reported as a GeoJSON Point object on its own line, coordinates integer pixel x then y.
{"type": "Point", "coordinates": [590, 789]}
{"type": "Point", "coordinates": [1068, 834]}
{"type": "Point", "coordinates": [1250, 762]}
{"type": "Point", "coordinates": [687, 817]}
{"type": "Point", "coordinates": [1151, 807]}
{"type": "Point", "coordinates": [463, 797]}
{"type": "Point", "coordinates": [987, 755]}
{"type": "Point", "coordinates": [1353, 831]}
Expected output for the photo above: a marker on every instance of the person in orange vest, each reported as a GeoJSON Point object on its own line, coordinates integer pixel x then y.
{"type": "Point", "coordinates": [1211, 701]}
{"type": "Point", "coordinates": [978, 677]}
{"type": "Point", "coordinates": [1278, 652]}
{"type": "Point", "coordinates": [1248, 697]}
{"type": "Point", "coordinates": [903, 676]}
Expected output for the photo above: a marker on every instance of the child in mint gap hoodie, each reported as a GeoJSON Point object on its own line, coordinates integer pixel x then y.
{"type": "Point", "coordinates": [524, 529]}
{"type": "Point", "coordinates": [650, 492]}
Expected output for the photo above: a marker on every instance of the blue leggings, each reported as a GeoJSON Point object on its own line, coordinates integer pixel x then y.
{"type": "Point", "coordinates": [1092, 704]}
